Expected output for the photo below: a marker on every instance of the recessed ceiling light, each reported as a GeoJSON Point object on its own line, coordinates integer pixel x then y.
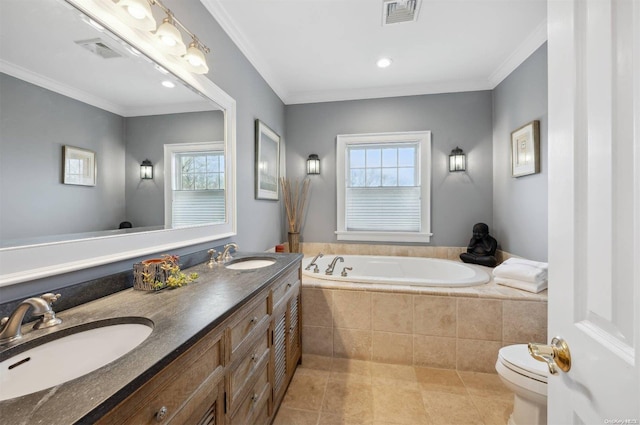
{"type": "Point", "coordinates": [384, 62]}
{"type": "Point", "coordinates": [168, 84]}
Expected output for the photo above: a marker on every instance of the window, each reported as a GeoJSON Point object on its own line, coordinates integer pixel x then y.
{"type": "Point", "coordinates": [384, 187]}
{"type": "Point", "coordinates": [197, 194]}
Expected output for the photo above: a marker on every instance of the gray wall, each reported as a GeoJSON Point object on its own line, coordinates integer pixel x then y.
{"type": "Point", "coordinates": [145, 139]}
{"type": "Point", "coordinates": [35, 124]}
{"type": "Point", "coordinates": [456, 119]}
{"type": "Point", "coordinates": [520, 204]}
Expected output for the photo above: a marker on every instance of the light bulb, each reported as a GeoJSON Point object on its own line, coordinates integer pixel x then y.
{"type": "Point", "coordinates": [383, 62]}
{"type": "Point", "coordinates": [194, 55]}
{"type": "Point", "coordinates": [136, 11]}
{"type": "Point", "coordinates": [170, 37]}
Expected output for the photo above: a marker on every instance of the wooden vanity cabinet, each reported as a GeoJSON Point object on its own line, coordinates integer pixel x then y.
{"type": "Point", "coordinates": [188, 391]}
{"type": "Point", "coordinates": [237, 374]}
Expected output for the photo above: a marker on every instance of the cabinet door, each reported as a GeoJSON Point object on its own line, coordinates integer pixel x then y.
{"type": "Point", "coordinates": [294, 346]}
{"type": "Point", "coordinates": [279, 352]}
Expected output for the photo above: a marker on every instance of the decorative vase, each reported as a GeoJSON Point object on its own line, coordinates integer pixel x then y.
{"type": "Point", "coordinates": [294, 241]}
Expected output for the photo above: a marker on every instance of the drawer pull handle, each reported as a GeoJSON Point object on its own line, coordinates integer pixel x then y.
{"type": "Point", "coordinates": [161, 414]}
{"type": "Point", "coordinates": [254, 357]}
{"type": "Point", "coordinates": [289, 285]}
{"type": "Point", "coordinates": [254, 398]}
{"type": "Point", "coordinates": [254, 320]}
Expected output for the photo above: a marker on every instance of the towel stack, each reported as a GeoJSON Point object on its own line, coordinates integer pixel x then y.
{"type": "Point", "coordinates": [522, 274]}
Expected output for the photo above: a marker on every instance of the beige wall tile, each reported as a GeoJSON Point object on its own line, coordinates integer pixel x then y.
{"type": "Point", "coordinates": [317, 340]}
{"type": "Point", "coordinates": [393, 372]}
{"type": "Point", "coordinates": [352, 343]}
{"type": "Point", "coordinates": [434, 351]}
{"type": "Point", "coordinates": [392, 348]}
{"type": "Point", "coordinates": [477, 355]}
{"type": "Point", "coordinates": [480, 319]}
{"type": "Point", "coordinates": [434, 315]}
{"type": "Point", "coordinates": [352, 309]}
{"type": "Point", "coordinates": [392, 313]}
{"type": "Point", "coordinates": [524, 321]}
{"type": "Point", "coordinates": [317, 305]}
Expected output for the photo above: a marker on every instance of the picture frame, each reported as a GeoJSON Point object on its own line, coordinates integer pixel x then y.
{"type": "Point", "coordinates": [79, 166]}
{"type": "Point", "coordinates": [267, 167]}
{"type": "Point", "coordinates": [525, 149]}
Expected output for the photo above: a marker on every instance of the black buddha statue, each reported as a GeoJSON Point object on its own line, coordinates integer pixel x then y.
{"type": "Point", "coordinates": [482, 247]}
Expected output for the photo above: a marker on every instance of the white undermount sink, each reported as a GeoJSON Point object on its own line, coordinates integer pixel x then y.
{"type": "Point", "coordinates": [70, 356]}
{"type": "Point", "coordinates": [250, 263]}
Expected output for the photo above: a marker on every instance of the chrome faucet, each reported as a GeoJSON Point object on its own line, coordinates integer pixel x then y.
{"type": "Point", "coordinates": [333, 265]}
{"type": "Point", "coordinates": [313, 262]}
{"type": "Point", "coordinates": [10, 326]}
{"type": "Point", "coordinates": [224, 255]}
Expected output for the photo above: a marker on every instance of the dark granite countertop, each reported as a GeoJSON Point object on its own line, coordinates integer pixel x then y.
{"type": "Point", "coordinates": [181, 317]}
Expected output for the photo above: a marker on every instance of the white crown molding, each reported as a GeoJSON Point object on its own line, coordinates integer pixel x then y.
{"type": "Point", "coordinates": [220, 14]}
{"type": "Point", "coordinates": [391, 91]}
{"type": "Point", "coordinates": [57, 87]}
{"type": "Point", "coordinates": [522, 52]}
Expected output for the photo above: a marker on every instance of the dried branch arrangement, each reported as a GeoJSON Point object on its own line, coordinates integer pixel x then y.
{"type": "Point", "coordinates": [295, 199]}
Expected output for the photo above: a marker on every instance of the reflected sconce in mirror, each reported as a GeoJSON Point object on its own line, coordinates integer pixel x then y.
{"type": "Point", "coordinates": [146, 170]}
{"type": "Point", "coordinates": [313, 164]}
{"type": "Point", "coordinates": [457, 160]}
{"type": "Point", "coordinates": [138, 14]}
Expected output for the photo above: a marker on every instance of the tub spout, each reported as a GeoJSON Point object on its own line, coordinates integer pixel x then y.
{"type": "Point", "coordinates": [329, 270]}
{"type": "Point", "coordinates": [313, 262]}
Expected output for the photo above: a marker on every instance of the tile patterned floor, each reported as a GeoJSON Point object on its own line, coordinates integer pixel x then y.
{"type": "Point", "coordinates": [327, 391]}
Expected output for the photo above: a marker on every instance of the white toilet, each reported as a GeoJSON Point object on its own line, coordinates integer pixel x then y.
{"type": "Point", "coordinates": [527, 378]}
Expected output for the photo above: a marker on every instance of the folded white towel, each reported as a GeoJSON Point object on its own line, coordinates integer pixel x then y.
{"type": "Point", "coordinates": [514, 260]}
{"type": "Point", "coordinates": [525, 286]}
{"type": "Point", "coordinates": [521, 272]}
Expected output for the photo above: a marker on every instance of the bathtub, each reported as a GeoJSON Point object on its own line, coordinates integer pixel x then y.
{"type": "Point", "coordinates": [398, 271]}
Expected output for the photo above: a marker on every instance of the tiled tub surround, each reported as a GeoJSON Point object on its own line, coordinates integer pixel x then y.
{"type": "Point", "coordinates": [451, 328]}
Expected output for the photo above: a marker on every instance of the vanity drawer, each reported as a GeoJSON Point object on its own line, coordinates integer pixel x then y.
{"type": "Point", "coordinates": [285, 283]}
{"type": "Point", "coordinates": [187, 379]}
{"type": "Point", "coordinates": [244, 372]}
{"type": "Point", "coordinates": [251, 406]}
{"type": "Point", "coordinates": [251, 318]}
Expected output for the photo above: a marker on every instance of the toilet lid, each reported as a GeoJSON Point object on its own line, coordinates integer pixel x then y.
{"type": "Point", "coordinates": [518, 359]}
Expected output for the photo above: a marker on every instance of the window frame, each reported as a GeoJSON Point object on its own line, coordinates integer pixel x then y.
{"type": "Point", "coordinates": [170, 151]}
{"type": "Point", "coordinates": [423, 138]}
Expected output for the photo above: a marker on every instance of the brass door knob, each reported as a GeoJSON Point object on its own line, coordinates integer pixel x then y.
{"type": "Point", "coordinates": [556, 355]}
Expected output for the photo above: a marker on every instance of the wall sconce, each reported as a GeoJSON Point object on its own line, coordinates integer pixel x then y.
{"type": "Point", "coordinates": [146, 170]}
{"type": "Point", "coordinates": [313, 164]}
{"type": "Point", "coordinates": [138, 14]}
{"type": "Point", "coordinates": [457, 160]}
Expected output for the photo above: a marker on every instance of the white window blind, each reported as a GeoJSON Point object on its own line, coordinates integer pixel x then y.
{"type": "Point", "coordinates": [390, 209]}
{"type": "Point", "coordinates": [197, 207]}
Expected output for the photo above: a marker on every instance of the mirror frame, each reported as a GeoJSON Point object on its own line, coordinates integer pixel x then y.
{"type": "Point", "coordinates": [30, 262]}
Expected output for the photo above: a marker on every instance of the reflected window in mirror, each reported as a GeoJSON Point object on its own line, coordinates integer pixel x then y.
{"type": "Point", "coordinates": [197, 194]}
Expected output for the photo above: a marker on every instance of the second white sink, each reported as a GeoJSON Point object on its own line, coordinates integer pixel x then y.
{"type": "Point", "coordinates": [69, 357]}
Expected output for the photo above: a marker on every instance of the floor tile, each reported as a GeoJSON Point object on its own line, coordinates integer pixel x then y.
{"type": "Point", "coordinates": [440, 380]}
{"type": "Point", "coordinates": [480, 384]}
{"type": "Point", "coordinates": [398, 406]}
{"type": "Point", "coordinates": [451, 409]}
{"type": "Point", "coordinates": [286, 416]}
{"type": "Point", "coordinates": [349, 400]}
{"type": "Point", "coordinates": [306, 390]}
{"type": "Point", "coordinates": [493, 411]}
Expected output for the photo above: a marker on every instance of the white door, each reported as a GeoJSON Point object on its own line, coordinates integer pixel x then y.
{"type": "Point", "coordinates": [594, 209]}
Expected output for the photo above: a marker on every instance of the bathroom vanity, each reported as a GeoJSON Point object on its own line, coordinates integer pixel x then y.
{"type": "Point", "coordinates": [223, 350]}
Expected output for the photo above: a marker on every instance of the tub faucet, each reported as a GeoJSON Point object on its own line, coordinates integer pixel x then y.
{"type": "Point", "coordinates": [333, 265]}
{"type": "Point", "coordinates": [313, 262]}
{"type": "Point", "coordinates": [224, 255]}
{"type": "Point", "coordinates": [10, 326]}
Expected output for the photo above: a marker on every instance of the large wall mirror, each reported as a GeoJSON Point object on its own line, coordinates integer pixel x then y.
{"type": "Point", "coordinates": [73, 75]}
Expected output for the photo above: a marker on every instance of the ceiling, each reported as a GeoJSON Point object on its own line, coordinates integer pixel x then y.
{"type": "Point", "coordinates": [326, 50]}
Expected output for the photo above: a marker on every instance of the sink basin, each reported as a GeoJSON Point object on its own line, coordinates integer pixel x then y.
{"type": "Point", "coordinates": [75, 353]}
{"type": "Point", "coordinates": [250, 263]}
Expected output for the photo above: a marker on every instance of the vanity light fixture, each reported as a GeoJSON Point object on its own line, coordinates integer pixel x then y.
{"type": "Point", "coordinates": [170, 38]}
{"type": "Point", "coordinates": [168, 84]}
{"type": "Point", "coordinates": [146, 170]}
{"type": "Point", "coordinates": [457, 160]}
{"type": "Point", "coordinates": [313, 164]}
{"type": "Point", "coordinates": [138, 14]}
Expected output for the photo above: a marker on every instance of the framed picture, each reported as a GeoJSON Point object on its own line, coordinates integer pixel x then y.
{"type": "Point", "coordinates": [79, 166]}
{"type": "Point", "coordinates": [525, 150]}
{"type": "Point", "coordinates": [267, 162]}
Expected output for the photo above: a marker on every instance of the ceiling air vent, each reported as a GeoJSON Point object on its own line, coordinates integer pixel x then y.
{"type": "Point", "coordinates": [396, 11]}
{"type": "Point", "coordinates": [99, 47]}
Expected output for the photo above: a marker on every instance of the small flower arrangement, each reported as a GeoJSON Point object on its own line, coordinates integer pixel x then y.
{"type": "Point", "coordinates": [160, 273]}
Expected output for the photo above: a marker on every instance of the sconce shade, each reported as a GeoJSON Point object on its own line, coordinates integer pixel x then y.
{"type": "Point", "coordinates": [146, 169]}
{"type": "Point", "coordinates": [457, 160]}
{"type": "Point", "coordinates": [138, 14]}
{"type": "Point", "coordinates": [170, 38]}
{"type": "Point", "coordinates": [195, 59]}
{"type": "Point", "coordinates": [313, 164]}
